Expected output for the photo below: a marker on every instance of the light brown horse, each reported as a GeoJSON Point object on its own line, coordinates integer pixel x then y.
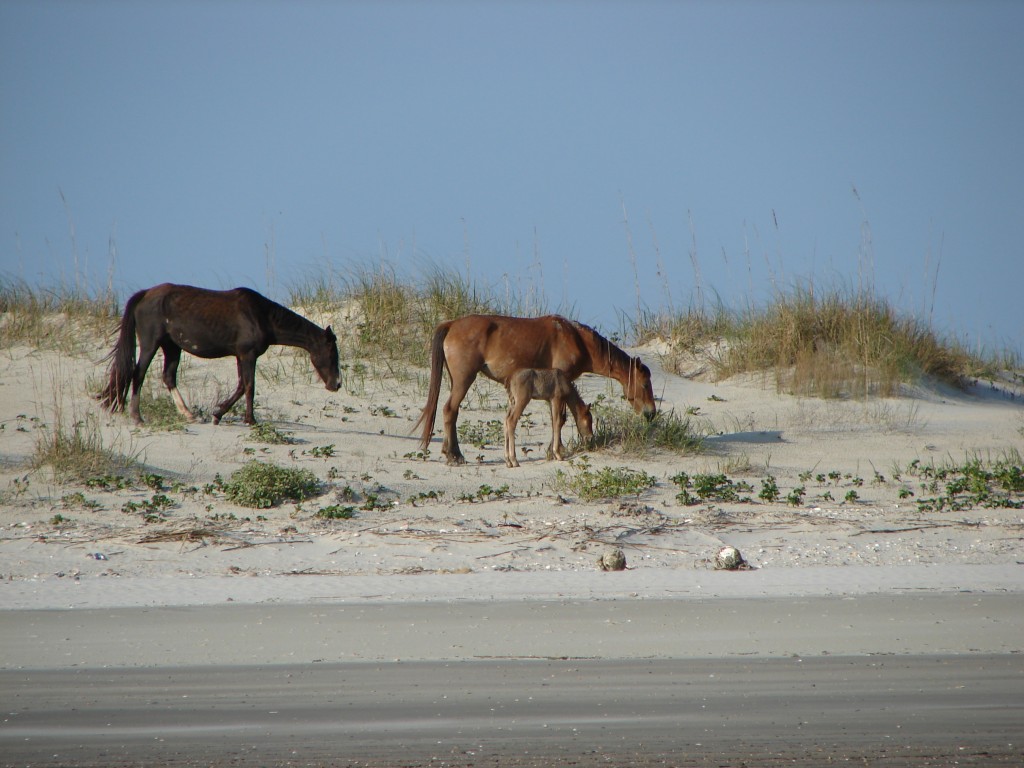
{"type": "Point", "coordinates": [545, 384]}
{"type": "Point", "coordinates": [497, 346]}
{"type": "Point", "coordinates": [239, 323]}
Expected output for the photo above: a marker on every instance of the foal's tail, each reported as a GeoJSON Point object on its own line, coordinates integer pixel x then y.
{"type": "Point", "coordinates": [434, 390]}
{"type": "Point", "coordinates": [122, 360]}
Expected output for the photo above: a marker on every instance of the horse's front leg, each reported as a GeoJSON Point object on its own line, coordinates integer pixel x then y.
{"type": "Point", "coordinates": [172, 356]}
{"type": "Point", "coordinates": [225, 406]}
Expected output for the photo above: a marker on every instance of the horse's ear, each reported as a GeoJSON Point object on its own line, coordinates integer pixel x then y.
{"type": "Point", "coordinates": [329, 333]}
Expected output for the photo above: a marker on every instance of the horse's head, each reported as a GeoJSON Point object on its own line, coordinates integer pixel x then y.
{"type": "Point", "coordinates": [324, 356]}
{"type": "Point", "coordinates": [638, 389]}
{"type": "Point", "coordinates": [585, 424]}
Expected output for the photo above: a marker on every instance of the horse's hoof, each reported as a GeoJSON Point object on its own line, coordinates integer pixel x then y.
{"type": "Point", "coordinates": [456, 461]}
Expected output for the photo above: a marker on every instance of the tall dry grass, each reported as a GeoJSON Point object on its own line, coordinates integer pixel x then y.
{"type": "Point", "coordinates": [825, 343]}
{"type": "Point", "coordinates": [54, 317]}
{"type": "Point", "coordinates": [394, 316]}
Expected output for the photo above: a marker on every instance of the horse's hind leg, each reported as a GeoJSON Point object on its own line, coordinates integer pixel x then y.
{"type": "Point", "coordinates": [172, 356]}
{"type": "Point", "coordinates": [450, 416]}
{"type": "Point", "coordinates": [146, 353]}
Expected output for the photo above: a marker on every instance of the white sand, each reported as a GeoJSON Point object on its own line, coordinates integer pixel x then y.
{"type": "Point", "coordinates": [535, 541]}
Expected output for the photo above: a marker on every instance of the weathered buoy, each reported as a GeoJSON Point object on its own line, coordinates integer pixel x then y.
{"type": "Point", "coordinates": [613, 560]}
{"type": "Point", "coordinates": [729, 559]}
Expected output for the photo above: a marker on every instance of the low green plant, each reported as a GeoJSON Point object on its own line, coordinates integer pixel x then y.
{"type": "Point", "coordinates": [604, 483]}
{"type": "Point", "coordinates": [336, 512]}
{"type": "Point", "coordinates": [321, 451]}
{"type": "Point", "coordinates": [260, 485]}
{"type": "Point", "coordinates": [709, 487]}
{"type": "Point", "coordinates": [268, 434]}
{"type": "Point", "coordinates": [485, 493]}
{"type": "Point", "coordinates": [974, 483]}
{"type": "Point", "coordinates": [153, 510]}
{"type": "Point", "coordinates": [430, 495]}
{"type": "Point", "coordinates": [769, 490]}
{"type": "Point", "coordinates": [108, 482]}
{"type": "Point", "coordinates": [482, 433]}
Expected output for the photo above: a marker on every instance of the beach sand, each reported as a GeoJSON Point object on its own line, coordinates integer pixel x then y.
{"type": "Point", "coordinates": [422, 531]}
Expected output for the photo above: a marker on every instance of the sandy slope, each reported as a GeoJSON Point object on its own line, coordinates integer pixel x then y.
{"type": "Point", "coordinates": [425, 526]}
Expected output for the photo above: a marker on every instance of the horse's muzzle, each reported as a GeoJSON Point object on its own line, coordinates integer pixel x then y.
{"type": "Point", "coordinates": [333, 386]}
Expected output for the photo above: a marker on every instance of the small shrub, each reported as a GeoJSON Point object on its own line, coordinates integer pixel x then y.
{"type": "Point", "coordinates": [261, 485]}
{"type": "Point", "coordinates": [769, 490]}
{"type": "Point", "coordinates": [604, 483]}
{"type": "Point", "coordinates": [709, 487]}
{"type": "Point", "coordinates": [796, 496]}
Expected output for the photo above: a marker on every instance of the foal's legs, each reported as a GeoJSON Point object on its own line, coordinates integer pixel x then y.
{"type": "Point", "coordinates": [516, 406]}
{"type": "Point", "coordinates": [555, 449]}
{"type": "Point", "coordinates": [172, 356]}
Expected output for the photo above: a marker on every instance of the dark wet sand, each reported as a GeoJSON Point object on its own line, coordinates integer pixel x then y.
{"type": "Point", "coordinates": [934, 679]}
{"type": "Point", "coordinates": [911, 710]}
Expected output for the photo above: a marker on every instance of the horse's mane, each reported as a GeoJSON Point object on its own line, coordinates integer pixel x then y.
{"type": "Point", "coordinates": [611, 349]}
{"type": "Point", "coordinates": [282, 317]}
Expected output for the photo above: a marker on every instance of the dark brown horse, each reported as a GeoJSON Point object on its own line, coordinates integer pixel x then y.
{"type": "Point", "coordinates": [204, 323]}
{"type": "Point", "coordinates": [498, 346]}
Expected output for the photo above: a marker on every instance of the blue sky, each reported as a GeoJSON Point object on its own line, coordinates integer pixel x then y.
{"type": "Point", "coordinates": [587, 150]}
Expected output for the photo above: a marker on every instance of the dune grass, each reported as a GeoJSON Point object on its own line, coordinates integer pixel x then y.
{"type": "Point", "coordinates": [76, 452]}
{"type": "Point", "coordinates": [394, 316]}
{"type": "Point", "coordinates": [831, 343]}
{"type": "Point", "coordinates": [57, 317]}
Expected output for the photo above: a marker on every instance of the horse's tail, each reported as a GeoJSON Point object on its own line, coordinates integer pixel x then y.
{"type": "Point", "coordinates": [122, 360]}
{"type": "Point", "coordinates": [434, 390]}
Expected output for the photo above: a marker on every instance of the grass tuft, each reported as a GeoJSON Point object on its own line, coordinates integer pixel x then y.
{"type": "Point", "coordinates": [617, 427]}
{"type": "Point", "coordinates": [77, 452]}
